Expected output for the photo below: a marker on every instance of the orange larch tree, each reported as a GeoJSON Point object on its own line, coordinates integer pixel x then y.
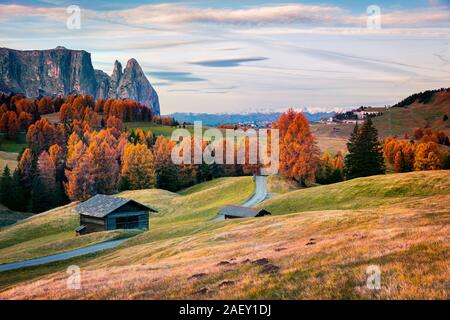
{"type": "Point", "coordinates": [427, 156]}
{"type": "Point", "coordinates": [138, 169]}
{"type": "Point", "coordinates": [299, 155]}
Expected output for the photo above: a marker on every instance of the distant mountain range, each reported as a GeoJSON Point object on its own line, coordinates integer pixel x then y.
{"type": "Point", "coordinates": [257, 119]}
{"type": "Point", "coordinates": [61, 71]}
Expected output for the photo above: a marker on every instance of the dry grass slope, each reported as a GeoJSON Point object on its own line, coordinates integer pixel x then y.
{"type": "Point", "coordinates": [47, 233]}
{"type": "Point", "coordinates": [311, 254]}
{"type": "Point", "coordinates": [359, 193]}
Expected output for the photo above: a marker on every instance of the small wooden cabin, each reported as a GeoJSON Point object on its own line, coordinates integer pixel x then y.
{"type": "Point", "coordinates": [102, 213]}
{"type": "Point", "coordinates": [79, 231]}
{"type": "Point", "coordinates": [232, 212]}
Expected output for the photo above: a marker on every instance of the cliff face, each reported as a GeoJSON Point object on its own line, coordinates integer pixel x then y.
{"type": "Point", "coordinates": [133, 84]}
{"type": "Point", "coordinates": [62, 71]}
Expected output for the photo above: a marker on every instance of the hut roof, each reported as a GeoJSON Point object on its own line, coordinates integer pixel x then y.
{"type": "Point", "coordinates": [80, 228]}
{"type": "Point", "coordinates": [101, 205]}
{"type": "Point", "coordinates": [243, 212]}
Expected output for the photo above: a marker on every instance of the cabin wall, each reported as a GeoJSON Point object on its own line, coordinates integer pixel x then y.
{"type": "Point", "coordinates": [142, 218]}
{"type": "Point", "coordinates": [92, 224]}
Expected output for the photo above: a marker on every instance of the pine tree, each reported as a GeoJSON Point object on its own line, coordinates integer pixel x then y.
{"type": "Point", "coordinates": [44, 185]}
{"type": "Point", "coordinates": [5, 187]}
{"type": "Point", "coordinates": [19, 202]}
{"type": "Point", "coordinates": [445, 165]}
{"type": "Point", "coordinates": [37, 198]}
{"type": "Point", "coordinates": [365, 155]}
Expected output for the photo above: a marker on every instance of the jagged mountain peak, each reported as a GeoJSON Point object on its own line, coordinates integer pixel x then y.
{"type": "Point", "coordinates": [63, 71]}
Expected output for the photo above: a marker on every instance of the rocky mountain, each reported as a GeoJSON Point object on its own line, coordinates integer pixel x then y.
{"type": "Point", "coordinates": [62, 71]}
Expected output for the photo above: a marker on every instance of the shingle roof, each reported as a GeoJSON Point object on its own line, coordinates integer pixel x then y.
{"type": "Point", "coordinates": [101, 205]}
{"type": "Point", "coordinates": [80, 228]}
{"type": "Point", "coordinates": [244, 212]}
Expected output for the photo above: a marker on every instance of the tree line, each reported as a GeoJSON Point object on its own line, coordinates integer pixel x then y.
{"type": "Point", "coordinates": [17, 112]}
{"type": "Point", "coordinates": [85, 154]}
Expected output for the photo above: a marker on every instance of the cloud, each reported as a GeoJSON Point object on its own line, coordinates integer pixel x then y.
{"type": "Point", "coordinates": [226, 62]}
{"type": "Point", "coordinates": [151, 16]}
{"type": "Point", "coordinates": [175, 76]}
{"type": "Point", "coordinates": [11, 11]}
{"type": "Point", "coordinates": [176, 14]}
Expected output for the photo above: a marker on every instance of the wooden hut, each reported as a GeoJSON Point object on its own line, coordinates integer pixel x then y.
{"type": "Point", "coordinates": [102, 212]}
{"type": "Point", "coordinates": [232, 212]}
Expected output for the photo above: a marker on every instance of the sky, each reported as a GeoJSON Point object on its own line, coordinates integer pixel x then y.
{"type": "Point", "coordinates": [250, 55]}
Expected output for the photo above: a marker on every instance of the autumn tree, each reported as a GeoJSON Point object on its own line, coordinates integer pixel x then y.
{"type": "Point", "coordinates": [299, 155]}
{"type": "Point", "coordinates": [114, 125]}
{"type": "Point", "coordinates": [149, 138]}
{"type": "Point", "coordinates": [66, 114]}
{"type": "Point", "coordinates": [138, 169]}
{"type": "Point", "coordinates": [418, 133]}
{"type": "Point", "coordinates": [325, 168]}
{"type": "Point", "coordinates": [25, 120]}
{"type": "Point", "coordinates": [330, 169]}
{"type": "Point", "coordinates": [106, 171]}
{"type": "Point", "coordinates": [44, 185]}
{"type": "Point", "coordinates": [75, 150]}
{"type": "Point", "coordinates": [9, 124]}
{"type": "Point", "coordinates": [26, 168]}
{"type": "Point", "coordinates": [45, 105]}
{"type": "Point", "coordinates": [41, 136]}
{"type": "Point", "coordinates": [56, 154]}
{"type": "Point", "coordinates": [80, 180]}
{"type": "Point", "coordinates": [427, 156]}
{"type": "Point", "coordinates": [167, 171]}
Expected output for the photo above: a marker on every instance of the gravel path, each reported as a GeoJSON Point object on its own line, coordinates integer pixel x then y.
{"type": "Point", "coordinates": [62, 256]}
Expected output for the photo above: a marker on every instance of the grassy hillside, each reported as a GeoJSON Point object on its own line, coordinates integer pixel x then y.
{"type": "Point", "coordinates": [53, 231]}
{"type": "Point", "coordinates": [397, 222]}
{"type": "Point", "coordinates": [403, 120]}
{"type": "Point", "coordinates": [47, 233]}
{"type": "Point", "coordinates": [8, 217]}
{"type": "Point", "coordinates": [159, 130]}
{"type": "Point", "coordinates": [394, 121]}
{"type": "Point", "coordinates": [359, 193]}
{"type": "Point", "coordinates": [279, 184]}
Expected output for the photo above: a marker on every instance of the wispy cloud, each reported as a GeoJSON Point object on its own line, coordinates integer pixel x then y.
{"type": "Point", "coordinates": [151, 16]}
{"type": "Point", "coordinates": [175, 14]}
{"type": "Point", "coordinates": [226, 62]}
{"type": "Point", "coordinates": [175, 76]}
{"type": "Point", "coordinates": [280, 54]}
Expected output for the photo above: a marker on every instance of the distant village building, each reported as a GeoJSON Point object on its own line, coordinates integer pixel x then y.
{"type": "Point", "coordinates": [362, 113]}
{"type": "Point", "coordinates": [232, 212]}
{"type": "Point", "coordinates": [102, 213]}
{"type": "Point", "coordinates": [358, 115]}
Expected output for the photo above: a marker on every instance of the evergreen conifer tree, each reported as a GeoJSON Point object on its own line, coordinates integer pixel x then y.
{"type": "Point", "coordinates": [365, 155]}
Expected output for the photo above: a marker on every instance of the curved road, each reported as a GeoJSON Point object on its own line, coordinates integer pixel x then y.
{"type": "Point", "coordinates": [258, 197]}
{"type": "Point", "coordinates": [260, 192]}
{"type": "Point", "coordinates": [61, 256]}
